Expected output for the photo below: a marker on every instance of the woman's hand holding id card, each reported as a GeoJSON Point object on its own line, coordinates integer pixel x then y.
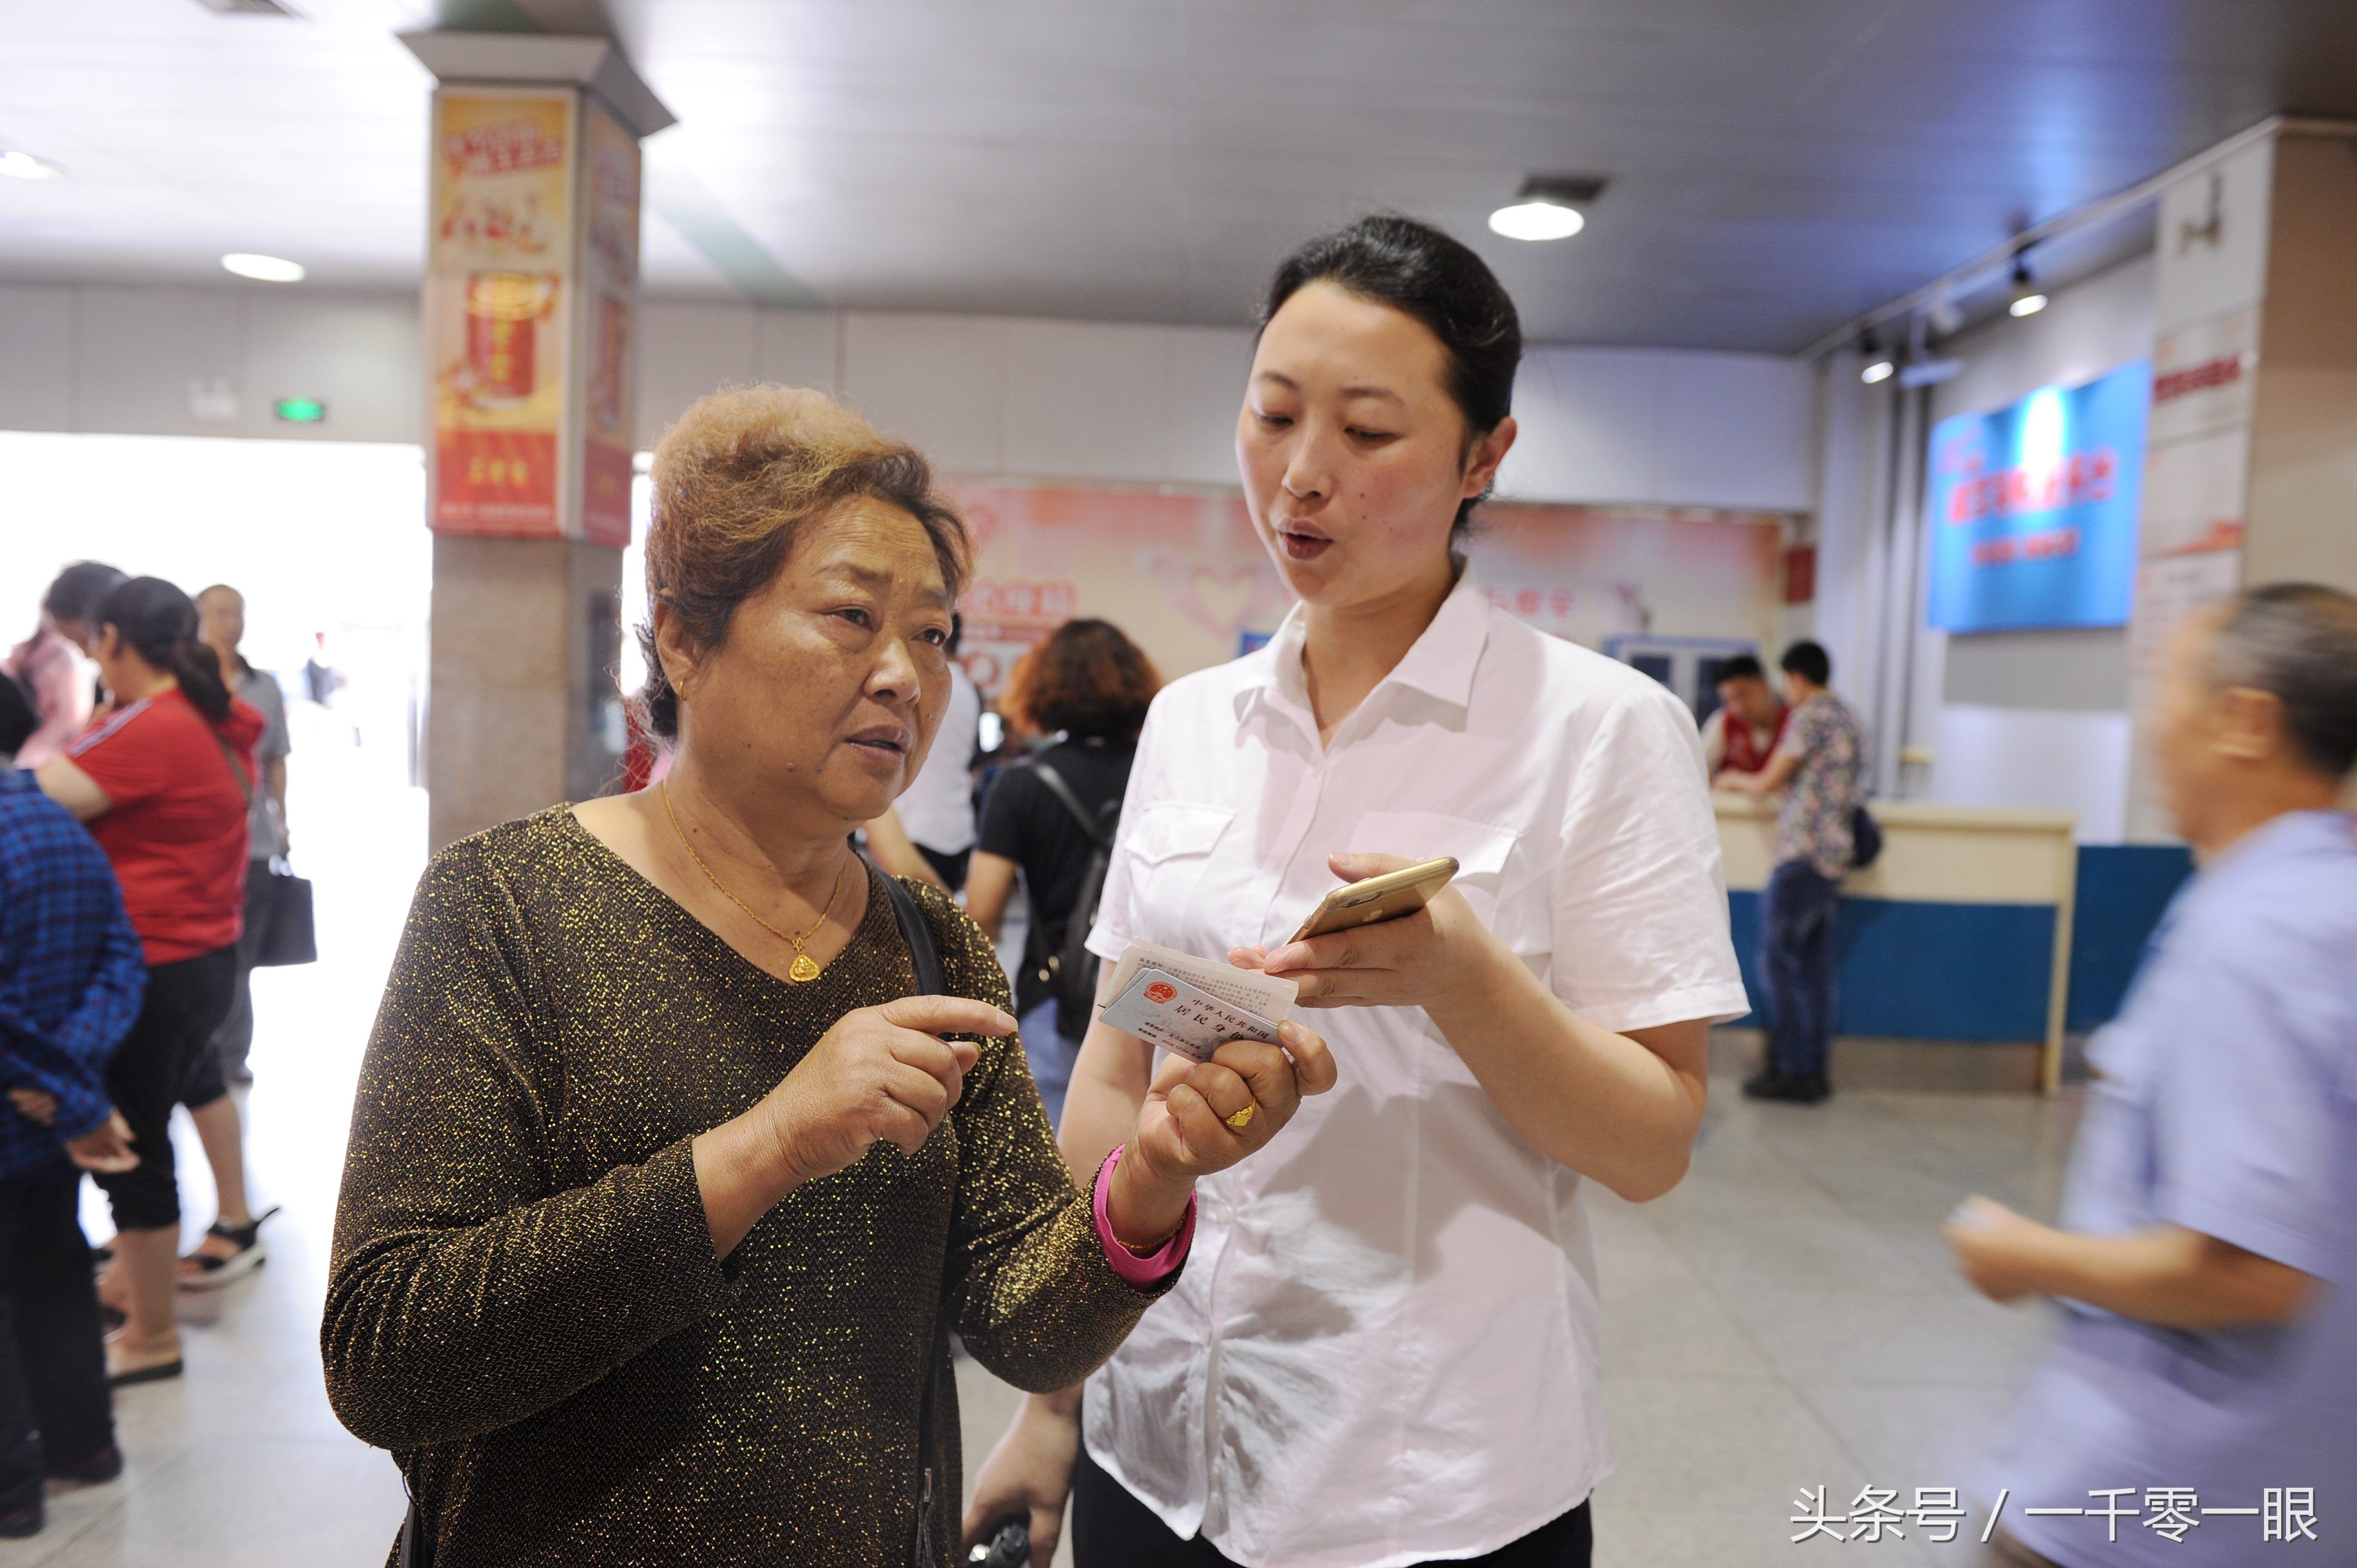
{"type": "Point", "coordinates": [1168, 1012]}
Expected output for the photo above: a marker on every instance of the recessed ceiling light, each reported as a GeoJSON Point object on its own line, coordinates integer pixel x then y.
{"type": "Point", "coordinates": [1548, 206]}
{"type": "Point", "coordinates": [268, 269]}
{"type": "Point", "coordinates": [1536, 221]}
{"type": "Point", "coordinates": [25, 165]}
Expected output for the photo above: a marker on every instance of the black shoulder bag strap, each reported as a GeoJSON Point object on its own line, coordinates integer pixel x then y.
{"type": "Point", "coordinates": [924, 957]}
{"type": "Point", "coordinates": [926, 960]}
{"type": "Point", "coordinates": [1071, 803]}
{"type": "Point", "coordinates": [416, 1546]}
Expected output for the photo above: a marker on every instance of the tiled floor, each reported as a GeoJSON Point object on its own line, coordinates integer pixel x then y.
{"type": "Point", "coordinates": [1785, 1319]}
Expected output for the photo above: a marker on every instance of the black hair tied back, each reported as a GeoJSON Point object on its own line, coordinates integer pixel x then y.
{"type": "Point", "coordinates": [1416, 269]}
{"type": "Point", "coordinates": [159, 623]}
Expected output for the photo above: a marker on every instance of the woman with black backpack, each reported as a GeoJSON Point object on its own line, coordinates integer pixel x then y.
{"type": "Point", "coordinates": [1053, 818]}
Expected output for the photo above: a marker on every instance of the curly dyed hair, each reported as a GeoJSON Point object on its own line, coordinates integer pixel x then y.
{"type": "Point", "coordinates": [1086, 679]}
{"type": "Point", "coordinates": [738, 478]}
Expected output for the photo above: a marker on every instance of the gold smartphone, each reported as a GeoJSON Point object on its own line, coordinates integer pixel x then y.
{"type": "Point", "coordinates": [1384, 898]}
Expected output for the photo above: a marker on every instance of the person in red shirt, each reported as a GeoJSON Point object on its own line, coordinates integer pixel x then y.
{"type": "Point", "coordinates": [1741, 733]}
{"type": "Point", "coordinates": [163, 781]}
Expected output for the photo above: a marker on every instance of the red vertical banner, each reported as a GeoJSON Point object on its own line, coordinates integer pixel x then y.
{"type": "Point", "coordinates": [497, 307]}
{"type": "Point", "coordinates": [608, 341]}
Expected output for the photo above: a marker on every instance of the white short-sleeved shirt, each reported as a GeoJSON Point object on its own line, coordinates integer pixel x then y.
{"type": "Point", "coordinates": [937, 808]}
{"type": "Point", "coordinates": [1385, 1348]}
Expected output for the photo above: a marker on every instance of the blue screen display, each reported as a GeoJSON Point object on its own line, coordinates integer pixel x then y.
{"type": "Point", "coordinates": [2033, 509]}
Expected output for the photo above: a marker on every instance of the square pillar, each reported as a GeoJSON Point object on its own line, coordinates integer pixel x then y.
{"type": "Point", "coordinates": [529, 318]}
{"type": "Point", "coordinates": [2252, 457]}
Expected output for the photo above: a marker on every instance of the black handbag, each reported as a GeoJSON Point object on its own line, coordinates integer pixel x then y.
{"type": "Point", "coordinates": [416, 1549]}
{"type": "Point", "coordinates": [283, 911]}
{"type": "Point", "coordinates": [1865, 837]}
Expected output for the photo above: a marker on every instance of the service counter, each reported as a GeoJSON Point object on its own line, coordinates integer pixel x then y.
{"type": "Point", "coordinates": [1960, 933]}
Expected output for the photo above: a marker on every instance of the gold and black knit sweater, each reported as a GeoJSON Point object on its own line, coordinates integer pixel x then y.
{"type": "Point", "coordinates": [523, 1304]}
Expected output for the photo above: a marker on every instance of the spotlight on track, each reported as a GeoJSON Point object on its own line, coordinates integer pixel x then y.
{"type": "Point", "coordinates": [1879, 365]}
{"type": "Point", "coordinates": [2029, 299]}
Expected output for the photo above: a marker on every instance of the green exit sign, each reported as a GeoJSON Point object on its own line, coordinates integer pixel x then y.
{"type": "Point", "coordinates": [300, 410]}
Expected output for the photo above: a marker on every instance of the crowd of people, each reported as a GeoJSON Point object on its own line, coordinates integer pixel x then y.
{"type": "Point", "coordinates": [136, 826]}
{"type": "Point", "coordinates": [702, 1120]}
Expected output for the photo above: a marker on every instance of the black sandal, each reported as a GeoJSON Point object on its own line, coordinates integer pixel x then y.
{"type": "Point", "coordinates": [161, 1372]}
{"type": "Point", "coordinates": [214, 1272]}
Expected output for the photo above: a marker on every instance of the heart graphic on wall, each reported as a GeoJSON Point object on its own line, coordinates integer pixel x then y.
{"type": "Point", "coordinates": [1220, 599]}
{"type": "Point", "coordinates": [981, 525]}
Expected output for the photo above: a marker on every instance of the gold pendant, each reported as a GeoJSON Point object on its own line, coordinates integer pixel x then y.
{"type": "Point", "coordinates": [803, 970]}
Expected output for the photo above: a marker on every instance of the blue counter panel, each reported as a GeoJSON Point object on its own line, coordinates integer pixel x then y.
{"type": "Point", "coordinates": [2122, 888]}
{"type": "Point", "coordinates": [1937, 971]}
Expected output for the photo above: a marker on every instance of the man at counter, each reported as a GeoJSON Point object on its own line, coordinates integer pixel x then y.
{"type": "Point", "coordinates": [1818, 764]}
{"type": "Point", "coordinates": [1743, 731]}
{"type": "Point", "coordinates": [2202, 1400]}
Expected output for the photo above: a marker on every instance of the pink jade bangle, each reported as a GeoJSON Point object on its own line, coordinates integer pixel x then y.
{"type": "Point", "coordinates": [1135, 1272]}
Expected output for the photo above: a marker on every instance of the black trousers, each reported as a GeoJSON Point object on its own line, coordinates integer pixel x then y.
{"type": "Point", "coordinates": [952, 867]}
{"type": "Point", "coordinates": [54, 1403]}
{"type": "Point", "coordinates": [150, 1071]}
{"type": "Point", "coordinates": [1112, 1529]}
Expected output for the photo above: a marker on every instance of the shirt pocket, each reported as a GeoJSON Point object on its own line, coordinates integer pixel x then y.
{"type": "Point", "coordinates": [1482, 852]}
{"type": "Point", "coordinates": [1170, 844]}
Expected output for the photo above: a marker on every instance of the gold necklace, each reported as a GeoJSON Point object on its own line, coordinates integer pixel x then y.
{"type": "Point", "coordinates": [803, 968]}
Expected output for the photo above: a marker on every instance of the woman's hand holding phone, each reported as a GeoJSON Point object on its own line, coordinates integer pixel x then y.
{"type": "Point", "coordinates": [1421, 959]}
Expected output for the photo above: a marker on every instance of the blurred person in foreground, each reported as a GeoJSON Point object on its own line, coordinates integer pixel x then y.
{"type": "Point", "coordinates": [1818, 767]}
{"type": "Point", "coordinates": [1052, 817]}
{"type": "Point", "coordinates": [665, 1194]}
{"type": "Point", "coordinates": [71, 982]}
{"type": "Point", "coordinates": [2207, 1246]}
{"type": "Point", "coordinates": [45, 660]}
{"type": "Point", "coordinates": [163, 782]}
{"type": "Point", "coordinates": [1741, 733]}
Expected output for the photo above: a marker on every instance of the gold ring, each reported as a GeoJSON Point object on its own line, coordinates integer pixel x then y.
{"type": "Point", "coordinates": [1242, 1119]}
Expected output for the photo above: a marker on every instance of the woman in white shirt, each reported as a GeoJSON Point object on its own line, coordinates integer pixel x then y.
{"type": "Point", "coordinates": [1386, 1351]}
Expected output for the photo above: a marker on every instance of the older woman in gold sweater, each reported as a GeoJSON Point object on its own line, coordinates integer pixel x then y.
{"type": "Point", "coordinates": [665, 1191]}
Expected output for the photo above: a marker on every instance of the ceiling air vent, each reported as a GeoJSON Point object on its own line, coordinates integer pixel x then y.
{"type": "Point", "coordinates": [249, 8]}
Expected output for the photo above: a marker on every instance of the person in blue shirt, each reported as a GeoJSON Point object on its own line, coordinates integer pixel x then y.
{"type": "Point", "coordinates": [71, 980]}
{"type": "Point", "coordinates": [2200, 1405]}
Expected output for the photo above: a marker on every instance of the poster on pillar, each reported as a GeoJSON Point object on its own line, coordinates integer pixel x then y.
{"type": "Point", "coordinates": [496, 307]}
{"type": "Point", "coordinates": [609, 327]}
{"type": "Point", "coordinates": [2032, 508]}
